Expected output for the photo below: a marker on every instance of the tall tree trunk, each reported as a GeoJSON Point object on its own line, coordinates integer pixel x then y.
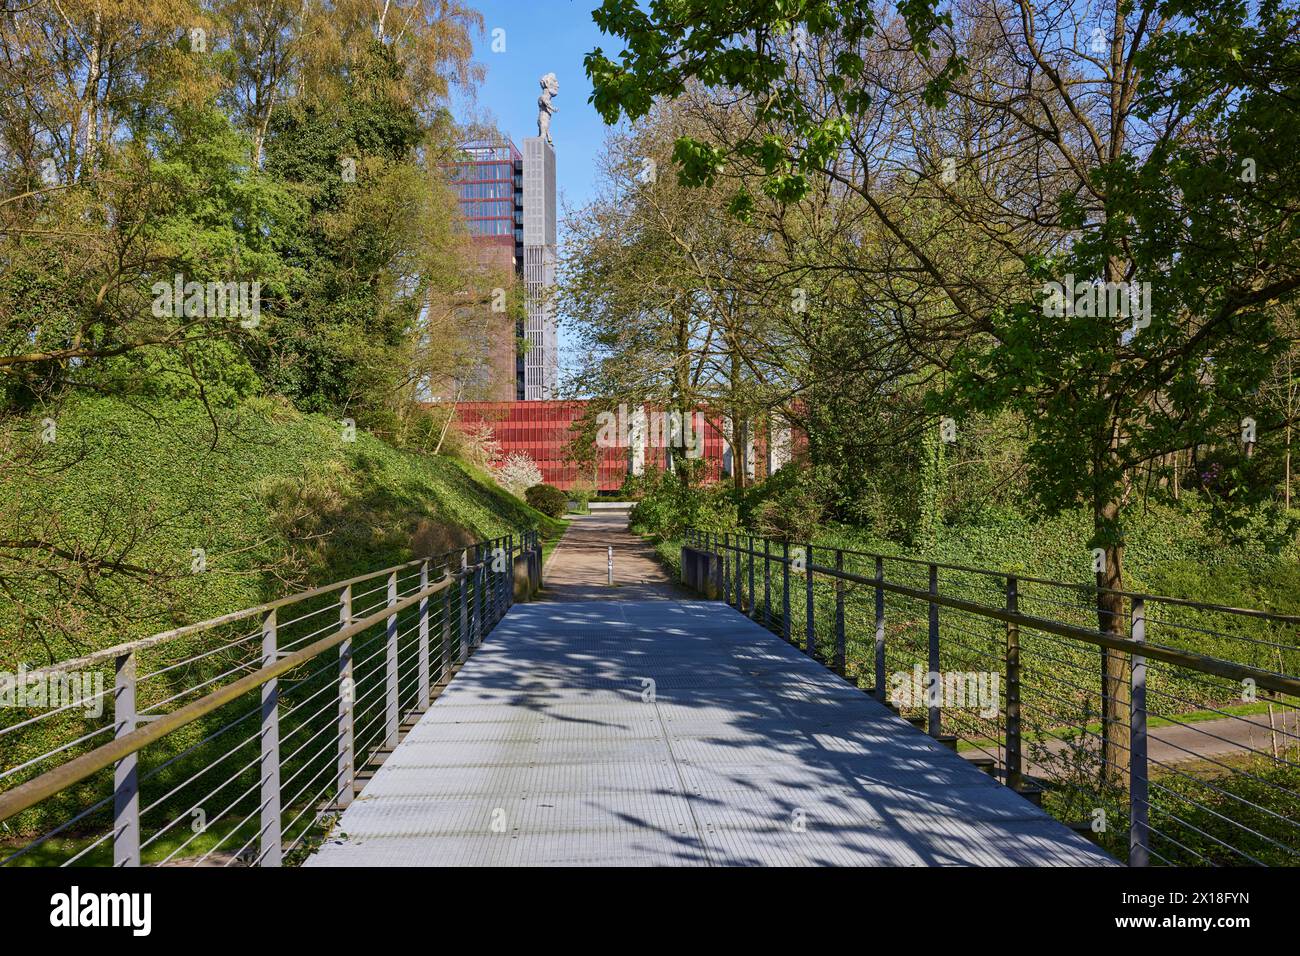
{"type": "Point", "coordinates": [682, 389]}
{"type": "Point", "coordinates": [1116, 694]}
{"type": "Point", "coordinates": [739, 427]}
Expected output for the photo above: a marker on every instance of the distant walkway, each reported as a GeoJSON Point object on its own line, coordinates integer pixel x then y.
{"type": "Point", "coordinates": [578, 567]}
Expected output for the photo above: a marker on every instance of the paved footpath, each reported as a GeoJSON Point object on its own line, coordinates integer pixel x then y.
{"type": "Point", "coordinates": [615, 732]}
{"type": "Point", "coordinates": [578, 569]}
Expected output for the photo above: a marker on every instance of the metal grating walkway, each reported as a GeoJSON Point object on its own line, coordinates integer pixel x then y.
{"type": "Point", "coordinates": [544, 751]}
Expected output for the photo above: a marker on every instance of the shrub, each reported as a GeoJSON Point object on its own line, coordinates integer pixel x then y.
{"type": "Point", "coordinates": [789, 504]}
{"type": "Point", "coordinates": [547, 499]}
{"type": "Point", "coordinates": [666, 506]}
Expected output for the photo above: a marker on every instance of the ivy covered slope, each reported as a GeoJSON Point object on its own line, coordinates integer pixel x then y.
{"type": "Point", "coordinates": [140, 516]}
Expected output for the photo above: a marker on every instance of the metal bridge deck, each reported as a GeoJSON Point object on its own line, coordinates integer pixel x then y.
{"type": "Point", "coordinates": [548, 748]}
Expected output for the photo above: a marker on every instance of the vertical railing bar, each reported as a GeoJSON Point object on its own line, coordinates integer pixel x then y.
{"type": "Point", "coordinates": [880, 689]}
{"type": "Point", "coordinates": [726, 574]}
{"type": "Point", "coordinates": [1139, 846]}
{"type": "Point", "coordinates": [785, 589]}
{"type": "Point", "coordinates": [446, 620]}
{"type": "Point", "coordinates": [810, 627]}
{"type": "Point", "coordinates": [1015, 777]}
{"type": "Point", "coordinates": [424, 636]}
{"type": "Point", "coordinates": [840, 650]}
{"type": "Point", "coordinates": [462, 581]}
{"type": "Point", "coordinates": [510, 572]}
{"type": "Point", "coordinates": [270, 836]}
{"type": "Point", "coordinates": [753, 604]}
{"type": "Point", "coordinates": [391, 721]}
{"type": "Point", "coordinates": [347, 769]}
{"type": "Point", "coordinates": [767, 583]}
{"type": "Point", "coordinates": [934, 724]}
{"type": "Point", "coordinates": [126, 772]}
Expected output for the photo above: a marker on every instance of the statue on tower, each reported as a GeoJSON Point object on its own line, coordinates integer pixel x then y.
{"type": "Point", "coordinates": [550, 87]}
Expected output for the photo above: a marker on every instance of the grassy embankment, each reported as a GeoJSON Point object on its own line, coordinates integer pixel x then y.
{"type": "Point", "coordinates": [130, 495]}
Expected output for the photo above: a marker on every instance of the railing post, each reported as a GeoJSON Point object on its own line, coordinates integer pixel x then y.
{"type": "Point", "coordinates": [785, 589]}
{"type": "Point", "coordinates": [347, 769]}
{"type": "Point", "coordinates": [485, 581]}
{"type": "Point", "coordinates": [881, 691]}
{"type": "Point", "coordinates": [767, 583]}
{"type": "Point", "coordinates": [738, 585]}
{"type": "Point", "coordinates": [269, 836]}
{"type": "Point", "coordinates": [840, 651]}
{"type": "Point", "coordinates": [485, 584]}
{"type": "Point", "coordinates": [463, 587]}
{"type": "Point", "coordinates": [493, 581]}
{"type": "Point", "coordinates": [424, 636]}
{"type": "Point", "coordinates": [126, 772]}
{"type": "Point", "coordinates": [480, 595]}
{"type": "Point", "coordinates": [726, 573]}
{"type": "Point", "coordinates": [1015, 779]}
{"type": "Point", "coordinates": [935, 722]}
{"type": "Point", "coordinates": [1139, 834]}
{"type": "Point", "coordinates": [446, 621]}
{"type": "Point", "coordinates": [504, 578]}
{"type": "Point", "coordinates": [753, 604]}
{"type": "Point", "coordinates": [810, 625]}
{"type": "Point", "coordinates": [510, 572]}
{"type": "Point", "coordinates": [390, 667]}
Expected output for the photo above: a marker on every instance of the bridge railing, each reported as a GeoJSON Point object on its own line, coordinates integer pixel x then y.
{"type": "Point", "coordinates": [1172, 738]}
{"type": "Point", "coordinates": [233, 740]}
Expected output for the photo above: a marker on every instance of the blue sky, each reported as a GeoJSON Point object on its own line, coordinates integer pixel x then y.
{"type": "Point", "coordinates": [543, 36]}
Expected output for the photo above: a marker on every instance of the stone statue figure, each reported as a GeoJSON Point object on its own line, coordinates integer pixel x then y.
{"type": "Point", "coordinates": [550, 87]}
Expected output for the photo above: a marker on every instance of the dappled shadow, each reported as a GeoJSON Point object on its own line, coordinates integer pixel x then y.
{"type": "Point", "coordinates": [552, 746]}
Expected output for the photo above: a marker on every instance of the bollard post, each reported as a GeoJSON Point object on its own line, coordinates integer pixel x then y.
{"type": "Point", "coordinates": [609, 564]}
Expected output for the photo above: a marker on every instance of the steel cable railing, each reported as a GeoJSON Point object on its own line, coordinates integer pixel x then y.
{"type": "Point", "coordinates": [164, 761]}
{"type": "Point", "coordinates": [1170, 736]}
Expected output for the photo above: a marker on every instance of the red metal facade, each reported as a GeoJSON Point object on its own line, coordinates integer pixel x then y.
{"type": "Point", "coordinates": [543, 430]}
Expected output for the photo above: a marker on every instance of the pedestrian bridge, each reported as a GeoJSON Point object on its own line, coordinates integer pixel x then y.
{"type": "Point", "coordinates": [443, 712]}
{"type": "Point", "coordinates": [656, 733]}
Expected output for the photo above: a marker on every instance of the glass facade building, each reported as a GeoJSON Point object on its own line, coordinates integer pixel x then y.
{"type": "Point", "coordinates": [489, 183]}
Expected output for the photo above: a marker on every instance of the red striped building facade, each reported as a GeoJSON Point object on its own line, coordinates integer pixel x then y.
{"type": "Point", "coordinates": [632, 441]}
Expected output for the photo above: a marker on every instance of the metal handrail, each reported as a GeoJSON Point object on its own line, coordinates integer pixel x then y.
{"type": "Point", "coordinates": [484, 591]}
{"type": "Point", "coordinates": [1089, 589]}
{"type": "Point", "coordinates": [715, 563]}
{"type": "Point", "coordinates": [117, 650]}
{"type": "Point", "coordinates": [32, 792]}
